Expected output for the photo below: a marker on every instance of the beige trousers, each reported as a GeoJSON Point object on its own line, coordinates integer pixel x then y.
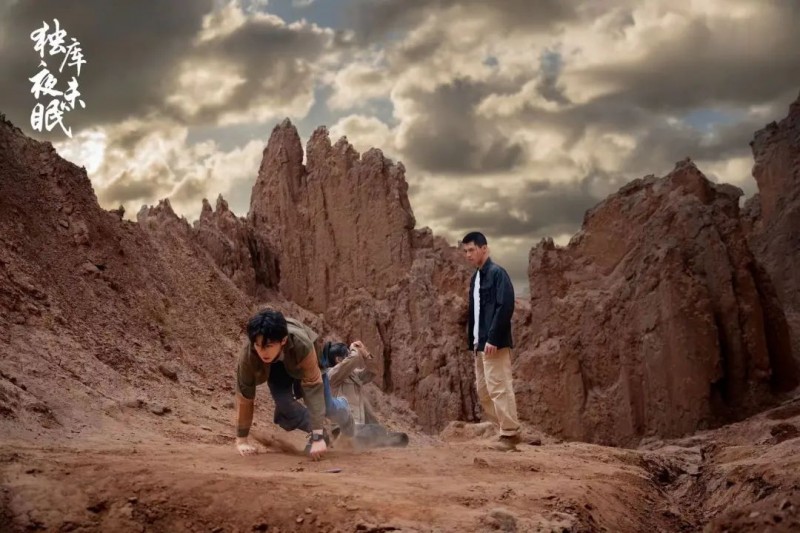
{"type": "Point", "coordinates": [496, 390]}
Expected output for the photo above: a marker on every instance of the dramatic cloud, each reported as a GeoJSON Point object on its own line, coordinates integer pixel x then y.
{"type": "Point", "coordinates": [190, 63]}
{"type": "Point", "coordinates": [444, 135]}
{"type": "Point", "coordinates": [533, 208]}
{"type": "Point", "coordinates": [131, 49]}
{"type": "Point", "coordinates": [146, 90]}
{"type": "Point", "coordinates": [357, 83]}
{"type": "Point", "coordinates": [375, 19]}
{"type": "Point", "coordinates": [251, 68]}
{"type": "Point", "coordinates": [679, 56]}
{"type": "Point", "coordinates": [365, 132]}
{"type": "Point", "coordinates": [513, 213]}
{"type": "Point", "coordinates": [139, 168]}
{"type": "Point", "coordinates": [512, 117]}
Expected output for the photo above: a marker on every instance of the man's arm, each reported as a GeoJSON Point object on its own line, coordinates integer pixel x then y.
{"type": "Point", "coordinates": [313, 390]}
{"type": "Point", "coordinates": [505, 306]}
{"type": "Point", "coordinates": [314, 397]}
{"type": "Point", "coordinates": [245, 407]}
{"type": "Point", "coordinates": [245, 404]}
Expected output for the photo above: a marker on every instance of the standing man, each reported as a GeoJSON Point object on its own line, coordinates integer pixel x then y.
{"type": "Point", "coordinates": [491, 306]}
{"type": "Point", "coordinates": [281, 352]}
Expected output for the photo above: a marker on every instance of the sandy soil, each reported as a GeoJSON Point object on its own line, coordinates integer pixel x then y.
{"type": "Point", "coordinates": [159, 485]}
{"type": "Point", "coordinates": [145, 472]}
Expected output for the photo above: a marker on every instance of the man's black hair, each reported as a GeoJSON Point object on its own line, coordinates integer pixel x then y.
{"type": "Point", "coordinates": [337, 349]}
{"type": "Point", "coordinates": [268, 323]}
{"type": "Point", "coordinates": [475, 237]}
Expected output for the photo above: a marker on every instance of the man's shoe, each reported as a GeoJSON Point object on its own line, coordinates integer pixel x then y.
{"type": "Point", "coordinates": [397, 439]}
{"type": "Point", "coordinates": [505, 443]}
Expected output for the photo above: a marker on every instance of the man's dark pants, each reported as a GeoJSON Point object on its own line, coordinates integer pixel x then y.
{"type": "Point", "coordinates": [290, 414]}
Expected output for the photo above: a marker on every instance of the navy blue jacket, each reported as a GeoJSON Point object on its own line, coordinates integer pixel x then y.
{"type": "Point", "coordinates": [497, 308]}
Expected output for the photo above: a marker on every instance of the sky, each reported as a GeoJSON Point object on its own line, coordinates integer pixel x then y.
{"type": "Point", "coordinates": [512, 117]}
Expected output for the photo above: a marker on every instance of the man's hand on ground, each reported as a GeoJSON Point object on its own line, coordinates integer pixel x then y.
{"type": "Point", "coordinates": [489, 350]}
{"type": "Point", "coordinates": [245, 447]}
{"type": "Point", "coordinates": [318, 448]}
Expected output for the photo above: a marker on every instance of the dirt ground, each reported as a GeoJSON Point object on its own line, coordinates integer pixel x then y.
{"type": "Point", "coordinates": [154, 484]}
{"type": "Point", "coordinates": [148, 472]}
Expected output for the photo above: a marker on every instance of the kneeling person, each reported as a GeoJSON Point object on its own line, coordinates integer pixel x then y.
{"type": "Point", "coordinates": [281, 353]}
{"type": "Point", "coordinates": [348, 374]}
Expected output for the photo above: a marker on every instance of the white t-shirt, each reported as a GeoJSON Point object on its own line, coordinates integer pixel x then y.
{"type": "Point", "coordinates": [476, 297]}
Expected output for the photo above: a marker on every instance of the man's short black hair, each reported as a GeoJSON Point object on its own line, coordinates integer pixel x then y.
{"type": "Point", "coordinates": [476, 237]}
{"type": "Point", "coordinates": [268, 323]}
{"type": "Point", "coordinates": [337, 349]}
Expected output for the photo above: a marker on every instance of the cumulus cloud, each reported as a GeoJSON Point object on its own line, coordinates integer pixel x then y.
{"type": "Point", "coordinates": [511, 116]}
{"type": "Point", "coordinates": [443, 135]}
{"type": "Point", "coordinates": [678, 56]}
{"type": "Point", "coordinates": [614, 91]}
{"type": "Point", "coordinates": [210, 65]}
{"type": "Point", "coordinates": [373, 20]}
{"type": "Point", "coordinates": [128, 64]}
{"type": "Point", "coordinates": [514, 214]}
{"type": "Point", "coordinates": [357, 83]}
{"type": "Point", "coordinates": [251, 67]}
{"type": "Point", "coordinates": [204, 65]}
{"type": "Point", "coordinates": [365, 132]}
{"type": "Point", "coordinates": [507, 207]}
{"type": "Point", "coordinates": [144, 161]}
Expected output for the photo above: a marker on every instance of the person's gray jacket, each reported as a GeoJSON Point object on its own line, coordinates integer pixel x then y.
{"type": "Point", "coordinates": [348, 379]}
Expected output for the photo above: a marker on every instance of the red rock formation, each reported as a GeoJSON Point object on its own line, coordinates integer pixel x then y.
{"type": "Point", "coordinates": [91, 306]}
{"type": "Point", "coordinates": [774, 213]}
{"type": "Point", "coordinates": [338, 218]}
{"type": "Point", "coordinates": [343, 230]}
{"type": "Point", "coordinates": [237, 250]}
{"type": "Point", "coordinates": [103, 320]}
{"type": "Point", "coordinates": [653, 321]}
